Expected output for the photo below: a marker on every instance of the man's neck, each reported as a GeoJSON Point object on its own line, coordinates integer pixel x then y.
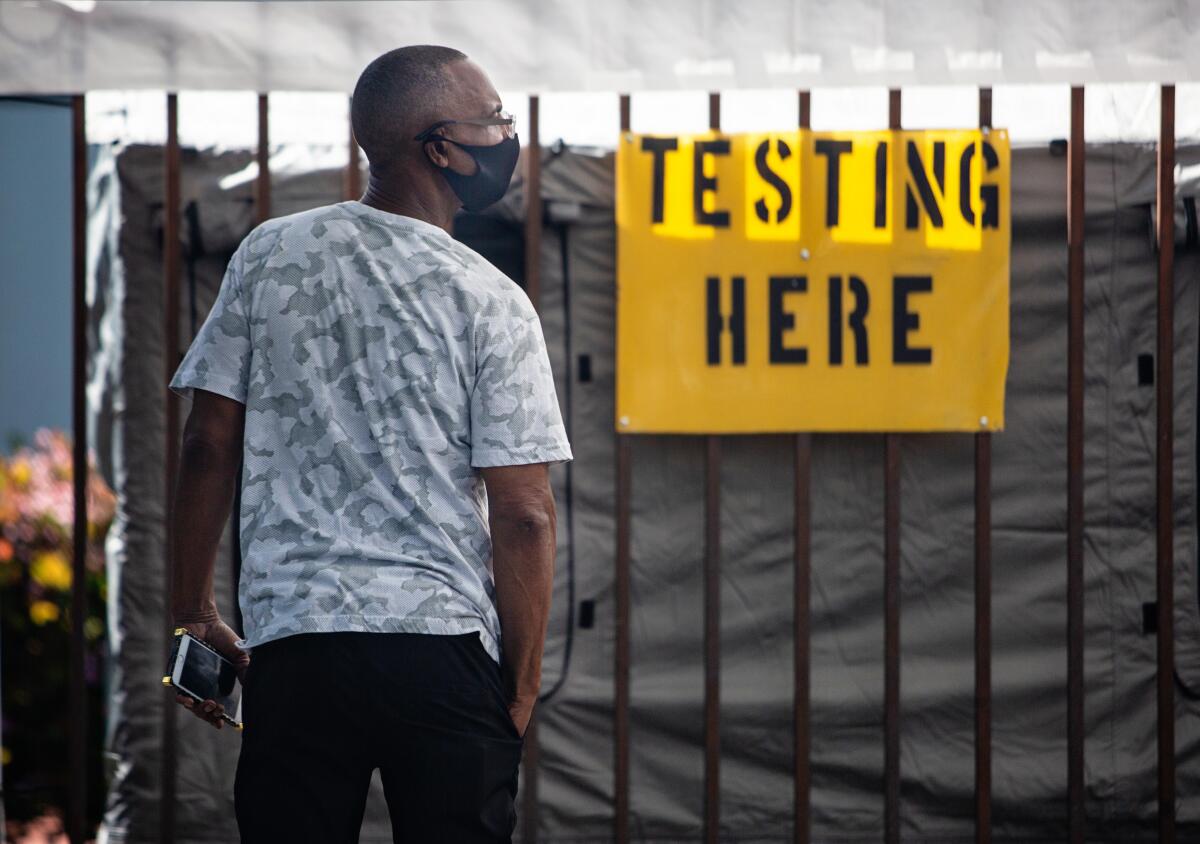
{"type": "Point", "coordinates": [383, 194]}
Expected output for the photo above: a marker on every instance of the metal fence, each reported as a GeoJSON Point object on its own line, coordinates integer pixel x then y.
{"type": "Point", "coordinates": [803, 443]}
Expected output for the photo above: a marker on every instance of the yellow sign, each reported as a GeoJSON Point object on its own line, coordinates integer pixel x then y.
{"type": "Point", "coordinates": [812, 281]}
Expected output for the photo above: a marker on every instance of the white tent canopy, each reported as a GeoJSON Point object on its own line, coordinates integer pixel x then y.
{"type": "Point", "coordinates": [63, 46]}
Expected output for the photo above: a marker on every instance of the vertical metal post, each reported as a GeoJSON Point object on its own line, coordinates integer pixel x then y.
{"type": "Point", "coordinates": [712, 633]}
{"type": "Point", "coordinates": [171, 201]}
{"type": "Point", "coordinates": [533, 208]}
{"type": "Point", "coordinates": [985, 108]}
{"type": "Point", "coordinates": [891, 604]}
{"type": "Point", "coordinates": [801, 630]}
{"type": "Point", "coordinates": [352, 187]}
{"type": "Point", "coordinates": [1165, 510]}
{"type": "Point", "coordinates": [621, 620]}
{"type": "Point", "coordinates": [262, 211]}
{"type": "Point", "coordinates": [533, 288]}
{"type": "Point", "coordinates": [804, 102]}
{"type": "Point", "coordinates": [983, 601]}
{"type": "Point", "coordinates": [712, 604]}
{"type": "Point", "coordinates": [1075, 715]}
{"type": "Point", "coordinates": [77, 759]}
{"type": "Point", "coordinates": [262, 186]}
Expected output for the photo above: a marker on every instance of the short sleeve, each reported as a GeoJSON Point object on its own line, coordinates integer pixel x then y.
{"type": "Point", "coordinates": [515, 418]}
{"type": "Point", "coordinates": [219, 357]}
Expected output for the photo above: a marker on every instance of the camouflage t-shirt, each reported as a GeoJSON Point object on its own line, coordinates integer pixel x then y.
{"type": "Point", "coordinates": [381, 363]}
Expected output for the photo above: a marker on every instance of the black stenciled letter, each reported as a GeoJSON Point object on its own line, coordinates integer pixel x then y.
{"type": "Point", "coordinates": [862, 303]}
{"type": "Point", "coordinates": [989, 194]}
{"type": "Point", "coordinates": [833, 150]}
{"type": "Point", "coordinates": [735, 322]}
{"type": "Point", "coordinates": [881, 172]}
{"type": "Point", "coordinates": [904, 320]}
{"type": "Point", "coordinates": [770, 176]}
{"type": "Point", "coordinates": [781, 320]}
{"type": "Point", "coordinates": [659, 147]}
{"type": "Point", "coordinates": [916, 169]}
{"type": "Point", "coordinates": [702, 184]}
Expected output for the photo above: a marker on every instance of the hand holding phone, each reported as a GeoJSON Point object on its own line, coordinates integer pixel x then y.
{"type": "Point", "coordinates": [204, 677]}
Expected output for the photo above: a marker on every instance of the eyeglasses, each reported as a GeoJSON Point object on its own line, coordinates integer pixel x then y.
{"type": "Point", "coordinates": [502, 119]}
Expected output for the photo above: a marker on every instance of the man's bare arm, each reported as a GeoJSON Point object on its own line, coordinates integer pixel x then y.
{"type": "Point", "coordinates": [523, 523]}
{"type": "Point", "coordinates": [208, 463]}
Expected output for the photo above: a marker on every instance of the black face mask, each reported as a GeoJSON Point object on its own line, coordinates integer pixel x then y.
{"type": "Point", "coordinates": [494, 167]}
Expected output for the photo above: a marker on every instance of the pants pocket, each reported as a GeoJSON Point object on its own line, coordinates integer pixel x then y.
{"type": "Point", "coordinates": [489, 678]}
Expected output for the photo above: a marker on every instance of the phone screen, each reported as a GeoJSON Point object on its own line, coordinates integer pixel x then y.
{"type": "Point", "coordinates": [208, 676]}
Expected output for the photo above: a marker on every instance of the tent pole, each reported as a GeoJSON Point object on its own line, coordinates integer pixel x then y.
{"type": "Point", "coordinates": [1075, 714]}
{"type": "Point", "coordinates": [801, 579]}
{"type": "Point", "coordinates": [77, 795]}
{"type": "Point", "coordinates": [712, 603]}
{"type": "Point", "coordinates": [262, 185]}
{"type": "Point", "coordinates": [623, 491]}
{"type": "Point", "coordinates": [1164, 404]}
{"type": "Point", "coordinates": [891, 602]}
{"type": "Point", "coordinates": [171, 198]}
{"type": "Point", "coordinates": [983, 600]}
{"type": "Point", "coordinates": [533, 288]}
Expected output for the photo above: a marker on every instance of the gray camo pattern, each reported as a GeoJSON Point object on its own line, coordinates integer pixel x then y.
{"type": "Point", "coordinates": [381, 363]}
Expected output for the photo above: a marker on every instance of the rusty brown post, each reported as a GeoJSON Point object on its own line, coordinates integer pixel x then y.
{"type": "Point", "coordinates": [171, 201]}
{"type": "Point", "coordinates": [801, 629]}
{"type": "Point", "coordinates": [77, 759]}
{"type": "Point", "coordinates": [894, 120]}
{"type": "Point", "coordinates": [985, 108]}
{"type": "Point", "coordinates": [533, 288]}
{"type": "Point", "coordinates": [804, 116]}
{"type": "Point", "coordinates": [891, 604]}
{"type": "Point", "coordinates": [1075, 715]}
{"type": "Point", "coordinates": [262, 186]}
{"type": "Point", "coordinates": [712, 604]}
{"type": "Point", "coordinates": [352, 186]}
{"type": "Point", "coordinates": [712, 633]}
{"type": "Point", "coordinates": [622, 611]}
{"type": "Point", "coordinates": [533, 208]}
{"type": "Point", "coordinates": [983, 600]}
{"type": "Point", "coordinates": [1165, 510]}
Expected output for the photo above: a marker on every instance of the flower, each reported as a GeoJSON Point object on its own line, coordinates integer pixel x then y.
{"type": "Point", "coordinates": [20, 472]}
{"type": "Point", "coordinates": [42, 612]}
{"type": "Point", "coordinates": [6, 550]}
{"type": "Point", "coordinates": [51, 569]}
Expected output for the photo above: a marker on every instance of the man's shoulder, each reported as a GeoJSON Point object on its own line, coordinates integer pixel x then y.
{"type": "Point", "coordinates": [484, 276]}
{"type": "Point", "coordinates": [342, 230]}
{"type": "Point", "coordinates": [312, 223]}
{"type": "Point", "coordinates": [466, 271]}
{"type": "Point", "coordinates": [303, 230]}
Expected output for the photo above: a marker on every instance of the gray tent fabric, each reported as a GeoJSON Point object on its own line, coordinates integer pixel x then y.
{"type": "Point", "coordinates": [575, 772]}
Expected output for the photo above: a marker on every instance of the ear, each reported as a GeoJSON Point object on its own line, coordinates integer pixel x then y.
{"type": "Point", "coordinates": [437, 152]}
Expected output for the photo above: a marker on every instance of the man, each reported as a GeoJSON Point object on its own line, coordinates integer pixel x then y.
{"type": "Point", "coordinates": [391, 397]}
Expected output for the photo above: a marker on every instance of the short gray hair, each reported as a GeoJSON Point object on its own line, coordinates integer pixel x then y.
{"type": "Point", "coordinates": [396, 96]}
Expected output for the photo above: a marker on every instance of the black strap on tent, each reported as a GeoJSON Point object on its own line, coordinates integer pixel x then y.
{"type": "Point", "coordinates": [564, 251]}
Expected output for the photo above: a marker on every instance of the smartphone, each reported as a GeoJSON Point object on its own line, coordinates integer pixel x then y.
{"type": "Point", "coordinates": [198, 671]}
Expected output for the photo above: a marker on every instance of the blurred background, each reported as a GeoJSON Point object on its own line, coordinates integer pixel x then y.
{"type": "Point", "coordinates": [552, 60]}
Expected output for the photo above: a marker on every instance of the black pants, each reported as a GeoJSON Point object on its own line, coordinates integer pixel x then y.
{"type": "Point", "coordinates": [322, 711]}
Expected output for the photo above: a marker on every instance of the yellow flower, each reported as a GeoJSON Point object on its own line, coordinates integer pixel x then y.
{"type": "Point", "coordinates": [42, 612]}
{"type": "Point", "coordinates": [51, 569]}
{"type": "Point", "coordinates": [20, 472]}
{"type": "Point", "coordinates": [5, 755]}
